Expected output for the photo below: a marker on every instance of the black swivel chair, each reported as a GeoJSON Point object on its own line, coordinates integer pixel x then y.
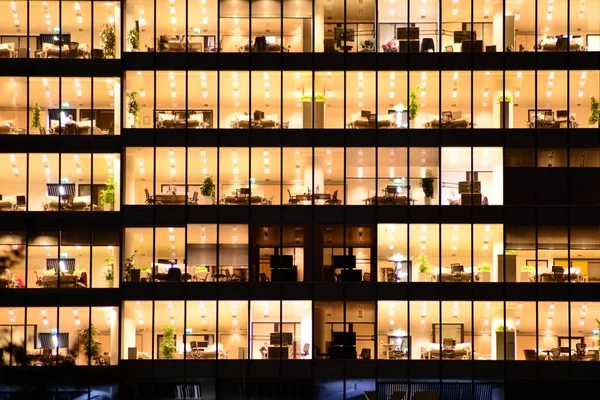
{"type": "Point", "coordinates": [448, 349]}
{"type": "Point", "coordinates": [73, 49]}
{"type": "Point", "coordinates": [292, 199]}
{"type": "Point", "coordinates": [149, 199]}
{"type": "Point", "coordinates": [174, 275]}
{"type": "Point", "coordinates": [334, 199]}
{"type": "Point", "coordinates": [319, 354]}
{"type": "Point", "coordinates": [262, 277]}
{"type": "Point", "coordinates": [194, 199]}
{"type": "Point", "coordinates": [530, 355]}
{"type": "Point", "coordinates": [427, 45]}
{"type": "Point", "coordinates": [559, 273]}
{"type": "Point", "coordinates": [365, 354]}
{"type": "Point", "coordinates": [21, 203]}
{"type": "Point", "coordinates": [457, 271]}
{"type": "Point", "coordinates": [562, 44]}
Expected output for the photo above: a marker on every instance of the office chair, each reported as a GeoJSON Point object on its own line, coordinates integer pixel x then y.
{"type": "Point", "coordinates": [367, 277]}
{"type": "Point", "coordinates": [457, 271]}
{"type": "Point", "coordinates": [21, 203]}
{"type": "Point", "coordinates": [427, 45]}
{"type": "Point", "coordinates": [194, 199]}
{"type": "Point", "coordinates": [555, 353]}
{"type": "Point", "coordinates": [448, 348]}
{"type": "Point", "coordinates": [305, 350]}
{"type": "Point", "coordinates": [365, 354]}
{"type": "Point", "coordinates": [292, 199]}
{"type": "Point", "coordinates": [580, 351]}
{"type": "Point", "coordinates": [530, 355]}
{"type": "Point", "coordinates": [229, 277]}
{"type": "Point", "coordinates": [174, 275]}
{"type": "Point", "coordinates": [319, 354]}
{"type": "Point", "coordinates": [149, 199]}
{"type": "Point", "coordinates": [562, 44]}
{"type": "Point", "coordinates": [334, 199]}
{"type": "Point", "coordinates": [559, 273]}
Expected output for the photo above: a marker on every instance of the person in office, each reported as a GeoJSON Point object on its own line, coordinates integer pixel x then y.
{"type": "Point", "coordinates": [264, 350]}
{"type": "Point", "coordinates": [70, 121]}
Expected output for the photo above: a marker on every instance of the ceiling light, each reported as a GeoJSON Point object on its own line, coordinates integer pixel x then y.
{"type": "Point", "coordinates": [454, 11]}
{"type": "Point", "coordinates": [454, 93]}
{"type": "Point", "coordinates": [517, 93]}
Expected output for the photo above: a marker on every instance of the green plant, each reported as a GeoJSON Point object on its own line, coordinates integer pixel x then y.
{"type": "Point", "coordinates": [200, 268]}
{"type": "Point", "coordinates": [484, 268]}
{"type": "Point", "coordinates": [107, 196]}
{"type": "Point", "coordinates": [36, 122]}
{"type": "Point", "coordinates": [109, 271]}
{"type": "Point", "coordinates": [146, 268]}
{"type": "Point", "coordinates": [133, 107]}
{"type": "Point", "coordinates": [423, 263]}
{"type": "Point", "coordinates": [167, 346]}
{"type": "Point", "coordinates": [129, 262]}
{"type": "Point", "coordinates": [501, 98]}
{"type": "Point", "coordinates": [133, 38]}
{"type": "Point", "coordinates": [208, 187]}
{"type": "Point", "coordinates": [510, 252]}
{"type": "Point", "coordinates": [528, 268]}
{"type": "Point", "coordinates": [597, 329]}
{"type": "Point", "coordinates": [91, 346]}
{"type": "Point", "coordinates": [427, 183]}
{"type": "Point", "coordinates": [108, 40]}
{"type": "Point", "coordinates": [501, 328]}
{"type": "Point", "coordinates": [308, 97]}
{"type": "Point", "coordinates": [594, 111]}
{"type": "Point", "coordinates": [414, 103]}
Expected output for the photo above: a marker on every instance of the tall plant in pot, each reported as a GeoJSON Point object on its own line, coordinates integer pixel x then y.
{"type": "Point", "coordinates": [108, 40]}
{"type": "Point", "coordinates": [133, 38]}
{"type": "Point", "coordinates": [36, 122]}
{"type": "Point", "coordinates": [129, 266]}
{"type": "Point", "coordinates": [167, 346]}
{"type": "Point", "coordinates": [207, 190]}
{"type": "Point", "coordinates": [107, 196]}
{"type": "Point", "coordinates": [413, 105]}
{"type": "Point", "coordinates": [109, 271]}
{"type": "Point", "coordinates": [427, 184]}
{"type": "Point", "coordinates": [133, 107]}
{"type": "Point", "coordinates": [594, 111]}
{"type": "Point", "coordinates": [424, 268]}
{"type": "Point", "coordinates": [91, 346]}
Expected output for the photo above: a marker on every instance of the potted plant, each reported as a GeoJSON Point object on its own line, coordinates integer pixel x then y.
{"type": "Point", "coordinates": [527, 271]}
{"type": "Point", "coordinates": [424, 268]}
{"type": "Point", "coordinates": [148, 271]}
{"type": "Point", "coordinates": [484, 271]}
{"type": "Point", "coordinates": [319, 110]}
{"type": "Point", "coordinates": [107, 196]}
{"type": "Point", "coordinates": [133, 107]}
{"type": "Point", "coordinates": [128, 267]}
{"type": "Point", "coordinates": [109, 271]}
{"type": "Point", "coordinates": [207, 190]}
{"type": "Point", "coordinates": [108, 40]}
{"type": "Point", "coordinates": [413, 105]}
{"type": "Point", "coordinates": [594, 111]}
{"type": "Point", "coordinates": [597, 330]}
{"type": "Point", "coordinates": [91, 346]}
{"type": "Point", "coordinates": [133, 38]}
{"type": "Point", "coordinates": [167, 346]}
{"type": "Point", "coordinates": [427, 185]}
{"type": "Point", "coordinates": [36, 122]}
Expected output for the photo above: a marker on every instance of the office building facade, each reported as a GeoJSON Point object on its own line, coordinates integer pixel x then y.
{"type": "Point", "coordinates": [292, 199]}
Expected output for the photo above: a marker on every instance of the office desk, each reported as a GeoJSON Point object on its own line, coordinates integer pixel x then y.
{"type": "Point", "coordinates": [170, 198]}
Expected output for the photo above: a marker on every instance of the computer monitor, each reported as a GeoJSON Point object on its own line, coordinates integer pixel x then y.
{"type": "Point", "coordinates": [344, 338]}
{"type": "Point", "coordinates": [365, 113]}
{"type": "Point", "coordinates": [548, 116]}
{"type": "Point", "coordinates": [271, 39]}
{"type": "Point", "coordinates": [562, 114]}
{"type": "Point", "coordinates": [245, 191]}
{"type": "Point", "coordinates": [392, 189]}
